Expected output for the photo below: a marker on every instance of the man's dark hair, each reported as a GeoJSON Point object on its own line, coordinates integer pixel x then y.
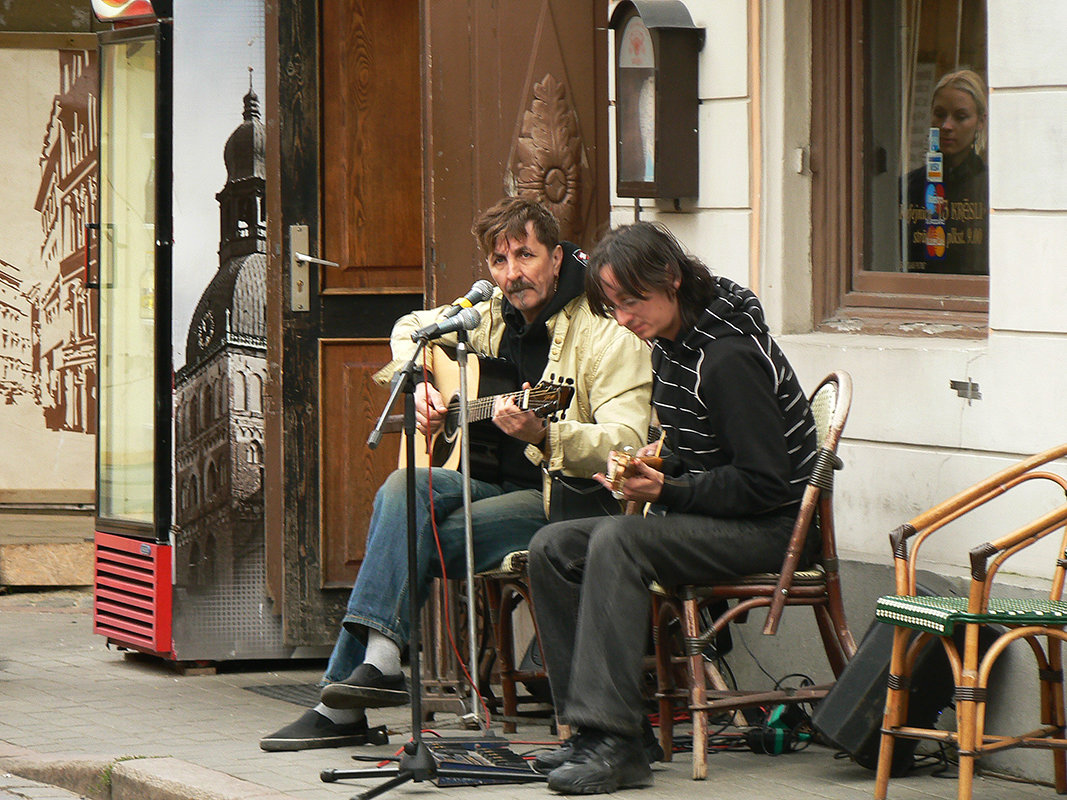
{"type": "Point", "coordinates": [646, 257]}
{"type": "Point", "coordinates": [508, 218]}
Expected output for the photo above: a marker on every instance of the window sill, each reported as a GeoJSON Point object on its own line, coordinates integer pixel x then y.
{"type": "Point", "coordinates": [915, 323]}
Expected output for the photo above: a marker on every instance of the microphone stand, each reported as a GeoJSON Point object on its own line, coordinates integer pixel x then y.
{"type": "Point", "coordinates": [416, 764]}
{"type": "Point", "coordinates": [465, 473]}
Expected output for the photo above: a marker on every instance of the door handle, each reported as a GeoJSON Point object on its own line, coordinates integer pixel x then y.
{"type": "Point", "coordinates": [90, 226]}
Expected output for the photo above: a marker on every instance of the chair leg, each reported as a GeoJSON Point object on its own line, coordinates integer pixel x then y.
{"type": "Point", "coordinates": [832, 645]}
{"type": "Point", "coordinates": [968, 713]}
{"type": "Point", "coordinates": [896, 710]}
{"type": "Point", "coordinates": [505, 644]}
{"type": "Point", "coordinates": [965, 785]}
{"type": "Point", "coordinates": [661, 612]}
{"type": "Point", "coordinates": [1053, 688]}
{"type": "Point", "coordinates": [698, 695]}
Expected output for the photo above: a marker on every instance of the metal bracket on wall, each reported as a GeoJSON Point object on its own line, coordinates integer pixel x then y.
{"type": "Point", "coordinates": [967, 389]}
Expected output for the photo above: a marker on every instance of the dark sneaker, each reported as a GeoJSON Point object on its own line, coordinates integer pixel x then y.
{"type": "Point", "coordinates": [602, 762]}
{"type": "Point", "coordinates": [314, 730]}
{"type": "Point", "coordinates": [546, 762]}
{"type": "Point", "coordinates": [366, 687]}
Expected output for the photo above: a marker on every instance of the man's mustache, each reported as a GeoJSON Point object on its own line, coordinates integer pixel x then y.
{"type": "Point", "coordinates": [518, 287]}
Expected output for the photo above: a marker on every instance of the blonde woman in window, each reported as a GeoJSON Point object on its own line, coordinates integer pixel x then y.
{"type": "Point", "coordinates": [948, 220]}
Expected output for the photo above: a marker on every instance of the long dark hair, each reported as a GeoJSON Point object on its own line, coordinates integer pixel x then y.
{"type": "Point", "coordinates": [645, 257]}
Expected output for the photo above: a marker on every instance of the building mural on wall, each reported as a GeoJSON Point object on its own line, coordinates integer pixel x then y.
{"type": "Point", "coordinates": [63, 320]}
{"type": "Point", "coordinates": [47, 315]}
{"type": "Point", "coordinates": [220, 342]}
{"type": "Point", "coordinates": [218, 394]}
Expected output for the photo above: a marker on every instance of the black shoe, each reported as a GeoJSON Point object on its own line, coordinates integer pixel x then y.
{"type": "Point", "coordinates": [314, 730]}
{"type": "Point", "coordinates": [602, 762]}
{"type": "Point", "coordinates": [546, 762]}
{"type": "Point", "coordinates": [366, 687]}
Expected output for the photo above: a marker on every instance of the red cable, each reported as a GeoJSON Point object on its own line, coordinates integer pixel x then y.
{"type": "Point", "coordinates": [441, 558]}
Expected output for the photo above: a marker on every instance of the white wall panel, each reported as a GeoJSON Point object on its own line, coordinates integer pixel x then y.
{"type": "Point", "coordinates": [1026, 42]}
{"type": "Point", "coordinates": [724, 59]}
{"type": "Point", "coordinates": [1028, 150]}
{"type": "Point", "coordinates": [1028, 275]}
{"type": "Point", "coordinates": [724, 155]}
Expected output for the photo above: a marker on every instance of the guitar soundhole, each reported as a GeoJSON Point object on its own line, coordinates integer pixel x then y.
{"type": "Point", "coordinates": [446, 441]}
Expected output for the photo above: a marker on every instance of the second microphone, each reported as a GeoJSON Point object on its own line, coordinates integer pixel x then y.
{"type": "Point", "coordinates": [466, 319]}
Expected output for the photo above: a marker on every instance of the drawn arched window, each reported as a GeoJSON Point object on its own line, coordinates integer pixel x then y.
{"type": "Point", "coordinates": [208, 405]}
{"type": "Point", "coordinates": [255, 452]}
{"type": "Point", "coordinates": [210, 560]}
{"type": "Point", "coordinates": [255, 392]}
{"type": "Point", "coordinates": [194, 491]}
{"type": "Point", "coordinates": [194, 565]}
{"type": "Point", "coordinates": [194, 415]}
{"type": "Point", "coordinates": [212, 480]}
{"type": "Point", "coordinates": [240, 400]}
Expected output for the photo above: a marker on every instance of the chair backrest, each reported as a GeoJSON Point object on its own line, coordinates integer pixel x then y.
{"type": "Point", "coordinates": [830, 404]}
{"type": "Point", "coordinates": [823, 404]}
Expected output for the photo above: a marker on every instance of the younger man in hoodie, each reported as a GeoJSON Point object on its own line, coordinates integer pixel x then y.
{"type": "Point", "coordinates": [741, 442]}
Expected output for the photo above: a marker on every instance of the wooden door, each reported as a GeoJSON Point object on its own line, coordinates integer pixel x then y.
{"type": "Point", "coordinates": [516, 100]}
{"type": "Point", "coordinates": [415, 116]}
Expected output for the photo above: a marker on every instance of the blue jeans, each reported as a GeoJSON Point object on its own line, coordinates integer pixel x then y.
{"type": "Point", "coordinates": [503, 518]}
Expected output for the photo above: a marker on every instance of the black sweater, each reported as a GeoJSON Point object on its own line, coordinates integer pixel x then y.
{"type": "Point", "coordinates": [740, 432]}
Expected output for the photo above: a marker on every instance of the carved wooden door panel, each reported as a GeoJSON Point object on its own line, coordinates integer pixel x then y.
{"type": "Point", "coordinates": [517, 104]}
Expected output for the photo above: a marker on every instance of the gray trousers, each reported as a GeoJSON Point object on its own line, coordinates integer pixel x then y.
{"type": "Point", "coordinates": [590, 579]}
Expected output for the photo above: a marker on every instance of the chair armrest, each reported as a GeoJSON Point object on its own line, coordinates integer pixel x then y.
{"type": "Point", "coordinates": [931, 521]}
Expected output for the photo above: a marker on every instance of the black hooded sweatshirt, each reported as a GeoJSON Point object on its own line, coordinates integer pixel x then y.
{"type": "Point", "coordinates": [738, 425]}
{"type": "Point", "coordinates": [526, 346]}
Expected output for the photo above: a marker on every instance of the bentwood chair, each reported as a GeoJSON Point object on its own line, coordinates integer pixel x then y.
{"type": "Point", "coordinates": [1039, 622]}
{"type": "Point", "coordinates": [818, 587]}
{"type": "Point", "coordinates": [507, 588]}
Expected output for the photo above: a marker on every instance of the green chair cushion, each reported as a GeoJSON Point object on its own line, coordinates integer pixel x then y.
{"type": "Point", "coordinates": [939, 615]}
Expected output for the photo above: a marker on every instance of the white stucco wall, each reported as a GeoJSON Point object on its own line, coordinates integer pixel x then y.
{"type": "Point", "coordinates": [911, 441]}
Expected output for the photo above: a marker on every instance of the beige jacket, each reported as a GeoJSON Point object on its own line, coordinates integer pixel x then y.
{"type": "Point", "coordinates": [611, 369]}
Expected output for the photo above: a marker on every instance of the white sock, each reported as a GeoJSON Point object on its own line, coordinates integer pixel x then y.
{"type": "Point", "coordinates": [340, 716]}
{"type": "Point", "coordinates": [383, 653]}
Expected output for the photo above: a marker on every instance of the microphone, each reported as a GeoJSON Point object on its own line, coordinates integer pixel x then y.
{"type": "Point", "coordinates": [481, 290]}
{"type": "Point", "coordinates": [465, 319]}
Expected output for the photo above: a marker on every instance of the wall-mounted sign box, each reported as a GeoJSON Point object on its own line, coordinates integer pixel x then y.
{"type": "Point", "coordinates": [656, 48]}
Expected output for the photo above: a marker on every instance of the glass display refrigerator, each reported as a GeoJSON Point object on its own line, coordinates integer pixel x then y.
{"type": "Point", "coordinates": [180, 256]}
{"type": "Point", "coordinates": [132, 580]}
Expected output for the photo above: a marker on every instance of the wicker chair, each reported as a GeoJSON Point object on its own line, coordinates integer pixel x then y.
{"type": "Point", "coordinates": [919, 618]}
{"type": "Point", "coordinates": [818, 588]}
{"type": "Point", "coordinates": [506, 588]}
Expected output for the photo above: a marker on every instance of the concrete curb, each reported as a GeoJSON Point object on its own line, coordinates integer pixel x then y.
{"type": "Point", "coordinates": [125, 777]}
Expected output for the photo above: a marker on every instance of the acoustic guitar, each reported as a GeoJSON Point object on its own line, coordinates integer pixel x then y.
{"type": "Point", "coordinates": [486, 377]}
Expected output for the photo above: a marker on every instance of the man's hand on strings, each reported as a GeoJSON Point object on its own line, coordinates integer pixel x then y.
{"type": "Point", "coordinates": [644, 485]}
{"type": "Point", "coordinates": [430, 408]}
{"type": "Point", "coordinates": [512, 420]}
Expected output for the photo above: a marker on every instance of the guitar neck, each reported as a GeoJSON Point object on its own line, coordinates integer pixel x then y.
{"type": "Point", "coordinates": [482, 407]}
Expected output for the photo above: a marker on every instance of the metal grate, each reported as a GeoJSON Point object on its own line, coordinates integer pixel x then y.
{"type": "Point", "coordinates": [132, 592]}
{"type": "Point", "coordinates": [301, 694]}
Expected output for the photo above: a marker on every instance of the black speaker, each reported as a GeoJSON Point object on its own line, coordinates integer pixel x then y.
{"type": "Point", "coordinates": [850, 716]}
